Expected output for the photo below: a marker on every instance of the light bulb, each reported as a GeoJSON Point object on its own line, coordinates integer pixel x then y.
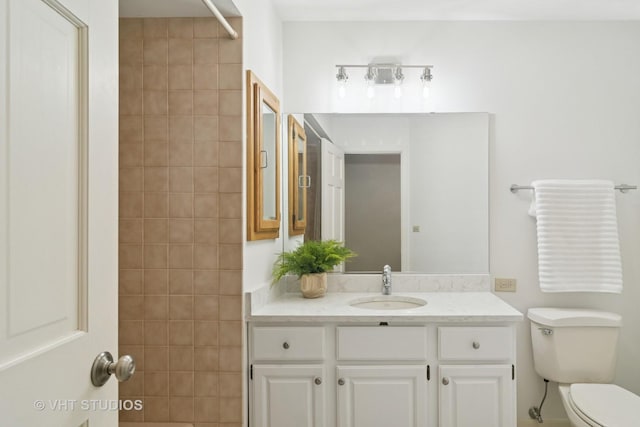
{"type": "Point", "coordinates": [426, 90]}
{"type": "Point", "coordinates": [342, 81]}
{"type": "Point", "coordinates": [371, 91]}
{"type": "Point", "coordinates": [342, 89]}
{"type": "Point", "coordinates": [426, 78]}
{"type": "Point", "coordinates": [370, 78]}
{"type": "Point", "coordinates": [398, 78]}
{"type": "Point", "coordinates": [397, 91]}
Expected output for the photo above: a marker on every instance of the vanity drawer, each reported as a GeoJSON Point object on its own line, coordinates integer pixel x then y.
{"type": "Point", "coordinates": [288, 343]}
{"type": "Point", "coordinates": [381, 343]}
{"type": "Point", "coordinates": [475, 343]}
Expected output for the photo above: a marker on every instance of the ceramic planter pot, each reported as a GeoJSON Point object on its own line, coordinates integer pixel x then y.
{"type": "Point", "coordinates": [313, 285]}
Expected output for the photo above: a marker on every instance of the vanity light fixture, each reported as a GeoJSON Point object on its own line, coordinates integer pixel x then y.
{"type": "Point", "coordinates": [384, 74]}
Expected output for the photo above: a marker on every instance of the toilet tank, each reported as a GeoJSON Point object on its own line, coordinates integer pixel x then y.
{"type": "Point", "coordinates": [574, 345]}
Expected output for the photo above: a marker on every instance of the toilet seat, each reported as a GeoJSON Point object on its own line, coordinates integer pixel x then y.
{"type": "Point", "coordinates": [606, 405]}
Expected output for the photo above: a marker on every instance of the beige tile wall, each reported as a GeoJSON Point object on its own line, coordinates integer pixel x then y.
{"type": "Point", "coordinates": [181, 219]}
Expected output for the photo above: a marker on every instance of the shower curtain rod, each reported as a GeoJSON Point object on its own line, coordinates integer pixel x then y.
{"type": "Point", "coordinates": [232, 33]}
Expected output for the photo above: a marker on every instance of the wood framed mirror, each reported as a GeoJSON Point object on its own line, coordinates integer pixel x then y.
{"type": "Point", "coordinates": [299, 181]}
{"type": "Point", "coordinates": [263, 161]}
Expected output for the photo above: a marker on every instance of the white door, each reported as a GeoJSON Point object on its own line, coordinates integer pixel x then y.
{"type": "Point", "coordinates": [288, 396]}
{"type": "Point", "coordinates": [58, 210]}
{"type": "Point", "coordinates": [382, 396]}
{"type": "Point", "coordinates": [477, 396]}
{"type": "Point", "coordinates": [332, 191]}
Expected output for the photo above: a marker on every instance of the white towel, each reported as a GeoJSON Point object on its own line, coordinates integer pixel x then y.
{"type": "Point", "coordinates": [578, 245]}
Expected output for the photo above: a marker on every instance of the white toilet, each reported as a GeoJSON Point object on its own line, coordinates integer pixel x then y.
{"type": "Point", "coordinates": [577, 348]}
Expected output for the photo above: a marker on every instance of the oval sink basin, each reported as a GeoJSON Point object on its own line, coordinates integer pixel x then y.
{"type": "Point", "coordinates": [387, 302]}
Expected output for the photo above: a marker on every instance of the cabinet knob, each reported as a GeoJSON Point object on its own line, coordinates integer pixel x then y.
{"type": "Point", "coordinates": [476, 345]}
{"type": "Point", "coordinates": [445, 381]}
{"type": "Point", "coordinates": [285, 345]}
{"type": "Point", "coordinates": [341, 381]}
{"type": "Point", "coordinates": [318, 380]}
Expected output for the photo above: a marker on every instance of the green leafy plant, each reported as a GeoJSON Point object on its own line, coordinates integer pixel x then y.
{"type": "Point", "coordinates": [313, 256]}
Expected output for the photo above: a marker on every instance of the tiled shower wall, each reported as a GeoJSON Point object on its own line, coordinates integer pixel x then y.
{"type": "Point", "coordinates": [181, 219]}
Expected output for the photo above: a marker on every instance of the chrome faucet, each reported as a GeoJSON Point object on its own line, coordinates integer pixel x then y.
{"type": "Point", "coordinates": [386, 280]}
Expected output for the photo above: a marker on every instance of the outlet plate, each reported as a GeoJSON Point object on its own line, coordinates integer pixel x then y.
{"type": "Point", "coordinates": [505, 285]}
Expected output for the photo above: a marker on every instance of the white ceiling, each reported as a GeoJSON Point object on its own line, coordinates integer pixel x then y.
{"type": "Point", "coordinates": [403, 10]}
{"type": "Point", "coordinates": [426, 10]}
{"type": "Point", "coordinates": [173, 8]}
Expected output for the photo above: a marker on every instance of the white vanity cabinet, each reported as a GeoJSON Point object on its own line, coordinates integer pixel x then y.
{"type": "Point", "coordinates": [375, 375]}
{"type": "Point", "coordinates": [476, 376]}
{"type": "Point", "coordinates": [288, 396]}
{"type": "Point", "coordinates": [381, 376]}
{"type": "Point", "coordinates": [382, 396]}
{"type": "Point", "coordinates": [476, 396]}
{"type": "Point", "coordinates": [287, 376]}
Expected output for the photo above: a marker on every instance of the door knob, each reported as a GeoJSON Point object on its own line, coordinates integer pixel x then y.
{"type": "Point", "coordinates": [341, 381]}
{"type": "Point", "coordinates": [476, 345]}
{"type": "Point", "coordinates": [445, 381]}
{"type": "Point", "coordinates": [103, 366]}
{"type": "Point", "coordinates": [318, 380]}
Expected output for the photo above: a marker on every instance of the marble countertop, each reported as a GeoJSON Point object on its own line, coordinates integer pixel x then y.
{"type": "Point", "coordinates": [453, 306]}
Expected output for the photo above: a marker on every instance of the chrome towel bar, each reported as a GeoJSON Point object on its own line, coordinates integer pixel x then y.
{"type": "Point", "coordinates": [623, 188]}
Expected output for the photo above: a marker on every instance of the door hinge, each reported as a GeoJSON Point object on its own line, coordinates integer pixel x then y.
{"type": "Point", "coordinates": [513, 372]}
{"type": "Point", "coordinates": [428, 373]}
{"type": "Point", "coordinates": [251, 372]}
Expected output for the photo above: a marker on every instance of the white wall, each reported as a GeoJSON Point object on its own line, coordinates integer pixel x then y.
{"type": "Point", "coordinates": [262, 53]}
{"type": "Point", "coordinates": [448, 193]}
{"type": "Point", "coordinates": [565, 103]}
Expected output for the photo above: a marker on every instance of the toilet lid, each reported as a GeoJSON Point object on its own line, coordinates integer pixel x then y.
{"type": "Point", "coordinates": [607, 404]}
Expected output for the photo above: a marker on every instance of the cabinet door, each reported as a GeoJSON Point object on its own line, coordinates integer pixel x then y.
{"type": "Point", "coordinates": [299, 181]}
{"type": "Point", "coordinates": [477, 396]}
{"type": "Point", "coordinates": [263, 160]}
{"type": "Point", "coordinates": [382, 396]}
{"type": "Point", "coordinates": [288, 396]}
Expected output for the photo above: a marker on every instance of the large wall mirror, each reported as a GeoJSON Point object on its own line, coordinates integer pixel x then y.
{"type": "Point", "coordinates": [409, 190]}
{"type": "Point", "coordinates": [263, 161]}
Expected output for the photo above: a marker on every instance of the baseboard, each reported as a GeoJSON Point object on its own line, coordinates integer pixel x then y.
{"type": "Point", "coordinates": [560, 422]}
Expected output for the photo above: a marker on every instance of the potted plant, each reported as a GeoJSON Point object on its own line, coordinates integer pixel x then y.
{"type": "Point", "coordinates": [310, 262]}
